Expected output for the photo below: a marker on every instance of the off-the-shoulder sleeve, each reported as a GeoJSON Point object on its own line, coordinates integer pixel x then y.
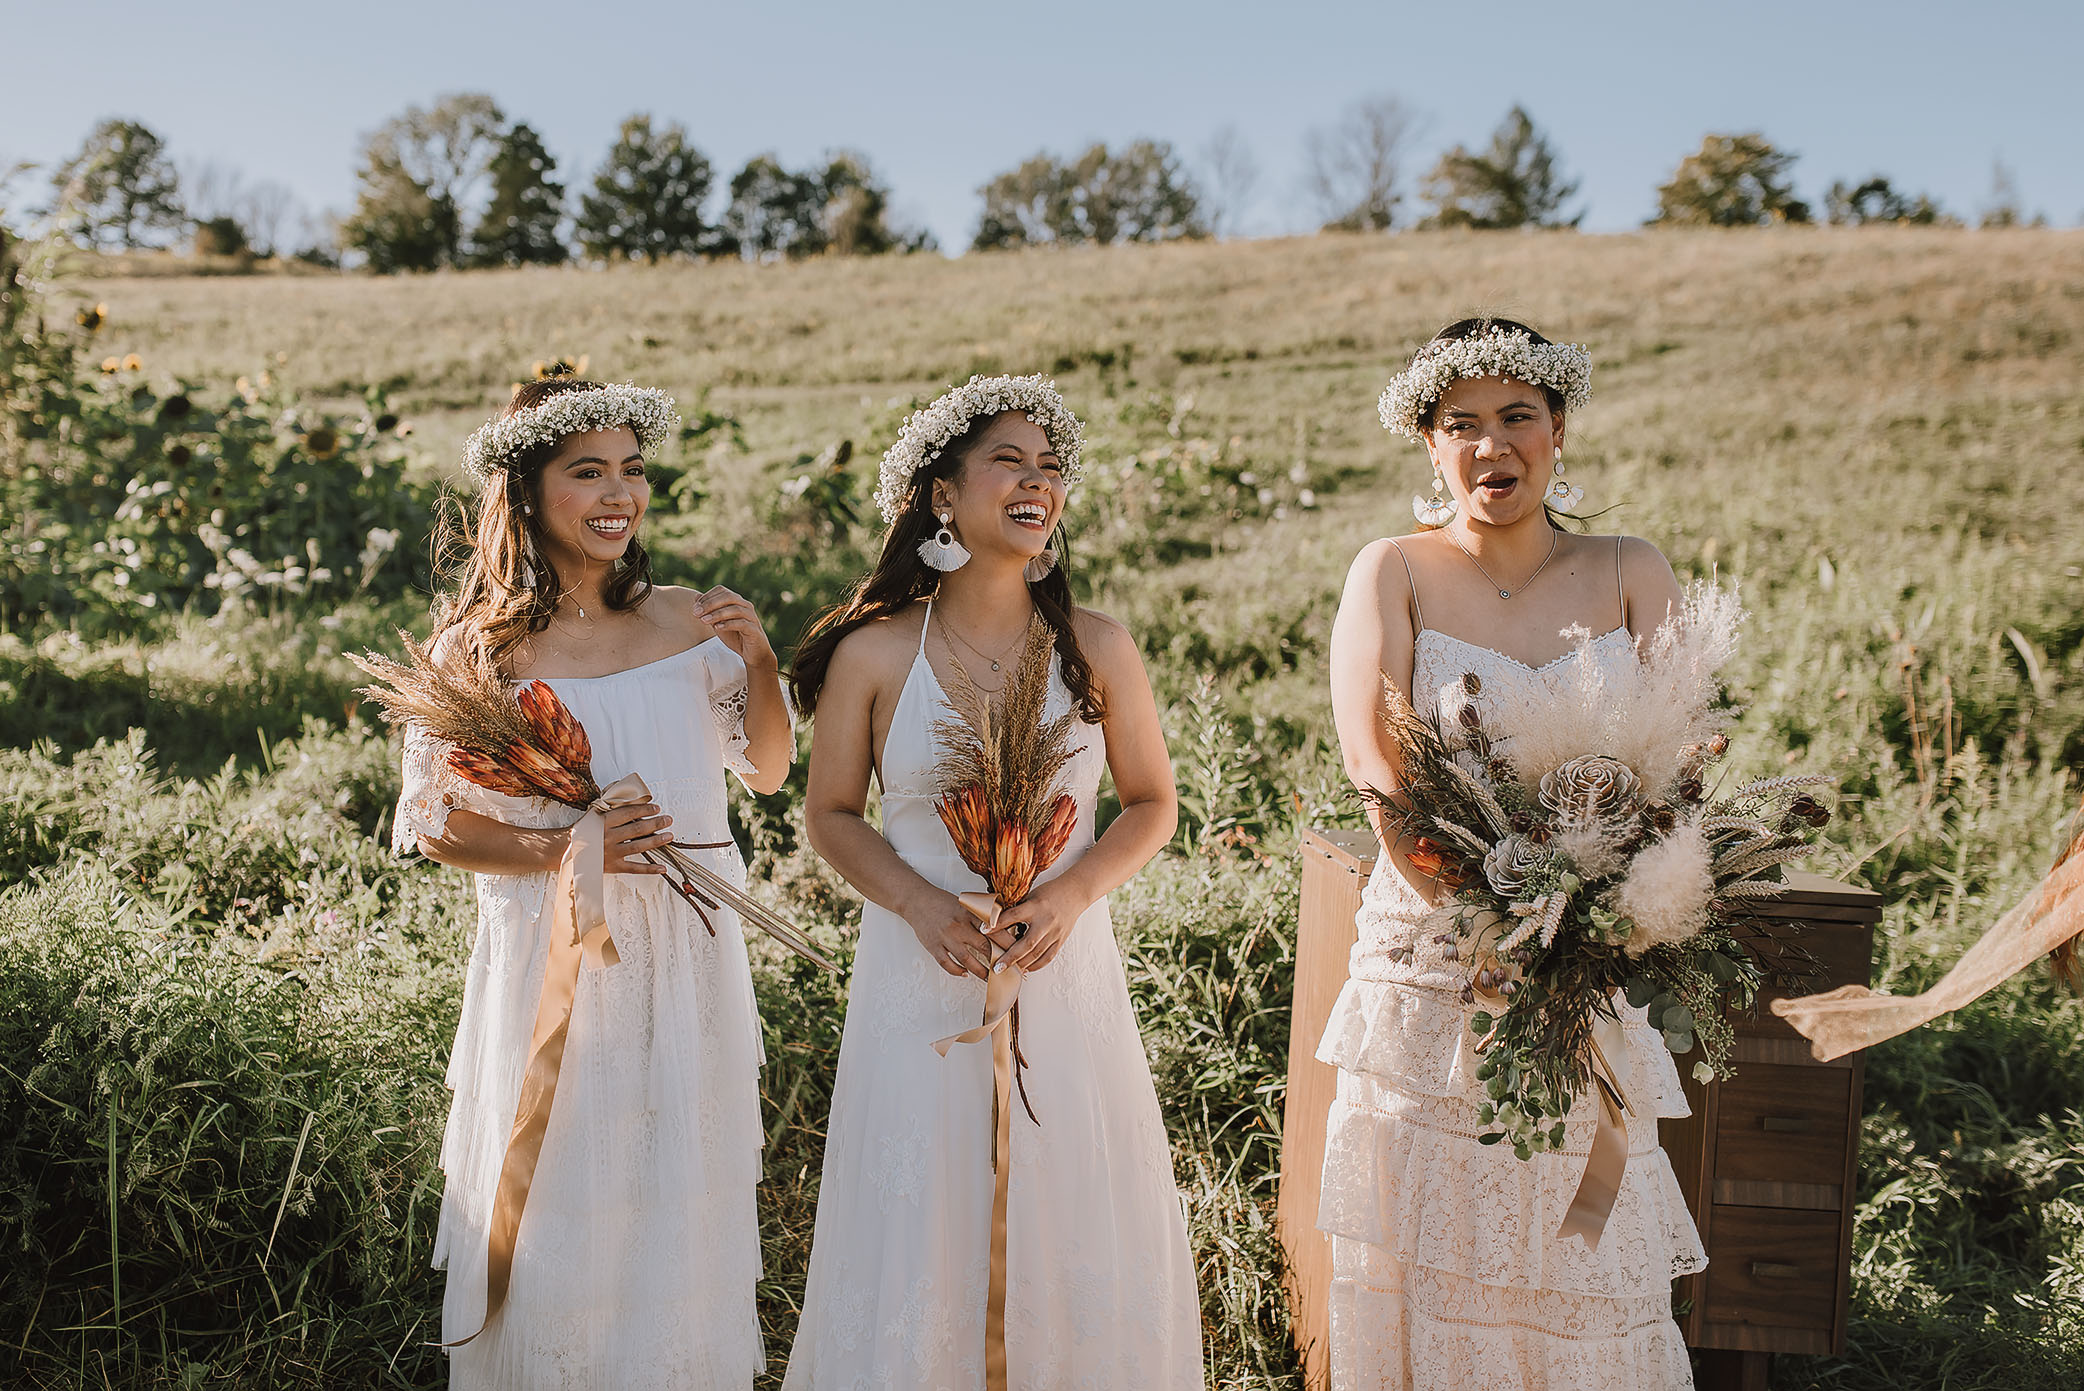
{"type": "Point", "coordinates": [430, 792]}
{"type": "Point", "coordinates": [728, 692]}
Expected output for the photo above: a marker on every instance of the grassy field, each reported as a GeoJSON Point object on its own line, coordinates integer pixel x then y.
{"type": "Point", "coordinates": [227, 1010]}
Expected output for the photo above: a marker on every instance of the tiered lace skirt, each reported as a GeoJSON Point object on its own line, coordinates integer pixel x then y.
{"type": "Point", "coordinates": [1446, 1268]}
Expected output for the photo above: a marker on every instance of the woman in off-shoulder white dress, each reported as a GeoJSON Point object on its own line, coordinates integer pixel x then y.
{"type": "Point", "coordinates": [638, 1250]}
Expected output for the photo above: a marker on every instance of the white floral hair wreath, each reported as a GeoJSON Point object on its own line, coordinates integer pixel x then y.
{"type": "Point", "coordinates": [647, 412]}
{"type": "Point", "coordinates": [1563, 367]}
{"type": "Point", "coordinates": [926, 432]}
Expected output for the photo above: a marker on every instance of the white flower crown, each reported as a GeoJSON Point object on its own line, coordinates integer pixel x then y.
{"type": "Point", "coordinates": [1563, 367]}
{"type": "Point", "coordinates": [648, 413]}
{"type": "Point", "coordinates": [926, 432]}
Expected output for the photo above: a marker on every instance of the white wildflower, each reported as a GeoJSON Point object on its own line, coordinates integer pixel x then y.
{"type": "Point", "coordinates": [1563, 367]}
{"type": "Point", "coordinates": [926, 431]}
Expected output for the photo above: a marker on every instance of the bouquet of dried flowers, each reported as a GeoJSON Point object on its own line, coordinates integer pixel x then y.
{"type": "Point", "coordinates": [1587, 855]}
{"type": "Point", "coordinates": [525, 742]}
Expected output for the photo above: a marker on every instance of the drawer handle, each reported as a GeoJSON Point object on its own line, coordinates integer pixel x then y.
{"type": "Point", "coordinates": [1772, 1270]}
{"type": "Point", "coordinates": [1786, 1125]}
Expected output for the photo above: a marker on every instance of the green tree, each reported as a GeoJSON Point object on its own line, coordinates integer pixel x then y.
{"type": "Point", "coordinates": [423, 173]}
{"type": "Point", "coordinates": [856, 215]}
{"type": "Point", "coordinates": [773, 212]}
{"type": "Point", "coordinates": [1876, 200]}
{"type": "Point", "coordinates": [646, 201]}
{"type": "Point", "coordinates": [520, 224]}
{"type": "Point", "coordinates": [1515, 183]}
{"type": "Point", "coordinates": [120, 190]}
{"type": "Point", "coordinates": [1141, 193]}
{"type": "Point", "coordinates": [1732, 181]}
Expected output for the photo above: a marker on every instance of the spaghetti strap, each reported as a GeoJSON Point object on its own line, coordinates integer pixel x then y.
{"type": "Point", "coordinates": [925, 624]}
{"type": "Point", "coordinates": [1417, 609]}
{"type": "Point", "coordinates": [1620, 592]}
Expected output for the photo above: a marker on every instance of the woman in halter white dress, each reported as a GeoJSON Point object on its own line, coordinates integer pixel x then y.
{"type": "Point", "coordinates": [638, 1250]}
{"type": "Point", "coordinates": [1447, 1268]}
{"type": "Point", "coordinates": [1099, 1283]}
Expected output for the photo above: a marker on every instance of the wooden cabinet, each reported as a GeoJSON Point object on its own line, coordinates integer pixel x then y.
{"type": "Point", "coordinates": [1766, 1160]}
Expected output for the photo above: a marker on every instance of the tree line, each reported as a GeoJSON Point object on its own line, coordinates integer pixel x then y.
{"type": "Point", "coordinates": [456, 184]}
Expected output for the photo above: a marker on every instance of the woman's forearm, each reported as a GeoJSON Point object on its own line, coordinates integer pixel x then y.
{"type": "Point", "coordinates": [770, 743]}
{"type": "Point", "coordinates": [1137, 834]}
{"type": "Point", "coordinates": [845, 840]}
{"type": "Point", "coordinates": [484, 846]}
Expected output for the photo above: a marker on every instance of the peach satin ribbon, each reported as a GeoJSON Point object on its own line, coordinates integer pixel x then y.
{"type": "Point", "coordinates": [1001, 994]}
{"type": "Point", "coordinates": [578, 935]}
{"type": "Point", "coordinates": [1593, 1202]}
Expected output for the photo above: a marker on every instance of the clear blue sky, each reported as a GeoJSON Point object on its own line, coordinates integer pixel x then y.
{"type": "Point", "coordinates": [942, 95]}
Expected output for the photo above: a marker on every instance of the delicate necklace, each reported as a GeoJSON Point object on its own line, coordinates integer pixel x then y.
{"type": "Point", "coordinates": [1503, 592]}
{"type": "Point", "coordinates": [973, 646]}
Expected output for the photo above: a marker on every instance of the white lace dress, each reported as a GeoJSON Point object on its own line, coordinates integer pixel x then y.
{"type": "Point", "coordinates": [1100, 1280]}
{"type": "Point", "coordinates": [638, 1250]}
{"type": "Point", "coordinates": [1447, 1272]}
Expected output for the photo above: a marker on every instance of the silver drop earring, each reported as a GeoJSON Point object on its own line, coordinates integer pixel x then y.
{"type": "Point", "coordinates": [941, 550]}
{"type": "Point", "coordinates": [1562, 496]}
{"type": "Point", "coordinates": [1437, 510]}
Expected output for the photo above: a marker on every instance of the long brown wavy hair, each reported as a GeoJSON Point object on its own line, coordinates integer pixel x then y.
{"type": "Point", "coordinates": [900, 578]}
{"type": "Point", "coordinates": [484, 548]}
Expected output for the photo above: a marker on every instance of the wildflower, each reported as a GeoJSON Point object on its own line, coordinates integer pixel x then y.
{"type": "Point", "coordinates": [322, 443]}
{"type": "Point", "coordinates": [112, 364]}
{"type": "Point", "coordinates": [133, 363]}
{"type": "Point", "coordinates": [92, 319]}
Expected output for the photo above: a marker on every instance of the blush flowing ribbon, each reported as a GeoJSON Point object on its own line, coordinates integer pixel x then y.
{"type": "Point", "coordinates": [1853, 1017]}
{"type": "Point", "coordinates": [1600, 1186]}
{"type": "Point", "coordinates": [578, 936]}
{"type": "Point", "coordinates": [1001, 995]}
{"type": "Point", "coordinates": [1596, 1192]}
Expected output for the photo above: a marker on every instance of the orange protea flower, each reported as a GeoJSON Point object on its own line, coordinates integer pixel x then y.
{"type": "Point", "coordinates": [1056, 832]}
{"type": "Point", "coordinates": [968, 820]}
{"type": "Point", "coordinates": [1430, 860]}
{"type": "Point", "coordinates": [564, 738]}
{"type": "Point", "coordinates": [552, 778]}
{"type": "Point", "coordinates": [1013, 863]}
{"type": "Point", "coordinates": [489, 773]}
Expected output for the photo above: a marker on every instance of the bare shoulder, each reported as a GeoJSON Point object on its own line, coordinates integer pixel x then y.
{"type": "Point", "coordinates": [674, 608]}
{"type": "Point", "coordinates": [879, 649]}
{"type": "Point", "coordinates": [1104, 638]}
{"type": "Point", "coordinates": [1642, 562]}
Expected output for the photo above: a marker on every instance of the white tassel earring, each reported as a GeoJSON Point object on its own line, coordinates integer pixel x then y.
{"type": "Point", "coordinates": [1038, 569]}
{"type": "Point", "coordinates": [1562, 496]}
{"type": "Point", "coordinates": [941, 550]}
{"type": "Point", "coordinates": [1439, 509]}
{"type": "Point", "coordinates": [527, 549]}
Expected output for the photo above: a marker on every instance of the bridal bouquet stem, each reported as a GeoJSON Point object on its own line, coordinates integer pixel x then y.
{"type": "Point", "coordinates": [1001, 799]}
{"type": "Point", "coordinates": [1587, 856]}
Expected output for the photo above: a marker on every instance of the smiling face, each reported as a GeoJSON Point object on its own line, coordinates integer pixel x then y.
{"type": "Point", "coordinates": [1009, 493]}
{"type": "Point", "coordinates": [1495, 440]}
{"type": "Point", "coordinates": [589, 499]}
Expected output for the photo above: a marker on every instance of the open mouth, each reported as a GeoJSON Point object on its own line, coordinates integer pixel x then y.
{"type": "Point", "coordinates": [1496, 485]}
{"type": "Point", "coordinates": [1032, 515]}
{"type": "Point", "coordinates": [614, 528]}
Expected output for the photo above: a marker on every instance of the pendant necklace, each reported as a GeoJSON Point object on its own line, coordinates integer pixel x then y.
{"type": "Point", "coordinates": [1503, 592]}
{"type": "Point", "coordinates": [973, 646]}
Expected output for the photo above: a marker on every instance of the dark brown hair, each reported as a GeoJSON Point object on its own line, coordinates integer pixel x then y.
{"type": "Point", "coordinates": [900, 578]}
{"type": "Point", "coordinates": [493, 609]}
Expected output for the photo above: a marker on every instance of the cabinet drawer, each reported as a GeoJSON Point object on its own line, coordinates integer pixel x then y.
{"type": "Point", "coordinates": [1782, 1123]}
{"type": "Point", "coordinates": [1773, 1268]}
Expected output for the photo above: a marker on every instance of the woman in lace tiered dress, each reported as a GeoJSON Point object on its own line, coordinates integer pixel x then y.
{"type": "Point", "coordinates": [1099, 1283]}
{"type": "Point", "coordinates": [637, 1251]}
{"type": "Point", "coordinates": [1447, 1270]}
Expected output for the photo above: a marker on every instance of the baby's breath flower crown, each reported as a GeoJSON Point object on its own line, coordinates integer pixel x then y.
{"type": "Point", "coordinates": [1563, 367]}
{"type": "Point", "coordinates": [926, 432]}
{"type": "Point", "coordinates": [648, 413]}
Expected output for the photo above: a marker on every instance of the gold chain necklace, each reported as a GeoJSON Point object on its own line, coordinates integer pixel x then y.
{"type": "Point", "coordinates": [1503, 592]}
{"type": "Point", "coordinates": [980, 652]}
